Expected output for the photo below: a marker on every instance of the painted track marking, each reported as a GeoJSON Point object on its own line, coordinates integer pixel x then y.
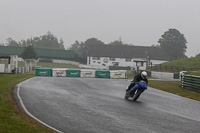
{"type": "Point", "coordinates": [32, 116]}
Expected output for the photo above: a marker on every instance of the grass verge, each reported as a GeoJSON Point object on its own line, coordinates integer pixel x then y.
{"type": "Point", "coordinates": [175, 88]}
{"type": "Point", "coordinates": [12, 120]}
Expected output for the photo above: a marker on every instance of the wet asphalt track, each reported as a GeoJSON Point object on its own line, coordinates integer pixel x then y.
{"type": "Point", "coordinates": [91, 105]}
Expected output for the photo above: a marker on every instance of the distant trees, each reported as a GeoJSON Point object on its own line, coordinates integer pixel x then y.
{"type": "Point", "coordinates": [1, 44]}
{"type": "Point", "coordinates": [198, 55]}
{"type": "Point", "coordinates": [117, 42]}
{"type": "Point", "coordinates": [76, 47]}
{"type": "Point", "coordinates": [173, 43]}
{"type": "Point", "coordinates": [29, 53]}
{"type": "Point", "coordinates": [11, 42]}
{"type": "Point", "coordinates": [82, 48]}
{"type": "Point", "coordinates": [48, 41]}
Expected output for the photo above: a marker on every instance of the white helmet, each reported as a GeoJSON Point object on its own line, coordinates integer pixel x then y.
{"type": "Point", "coordinates": [144, 74]}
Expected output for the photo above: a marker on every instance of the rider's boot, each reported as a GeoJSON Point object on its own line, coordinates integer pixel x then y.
{"type": "Point", "coordinates": [130, 86]}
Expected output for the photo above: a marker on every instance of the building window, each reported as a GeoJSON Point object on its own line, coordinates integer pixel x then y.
{"type": "Point", "coordinates": [95, 58]}
{"type": "Point", "coordinates": [115, 63]}
{"type": "Point", "coordinates": [142, 63]}
{"type": "Point", "coordinates": [112, 59]}
{"type": "Point", "coordinates": [105, 60]}
{"type": "Point", "coordinates": [128, 60]}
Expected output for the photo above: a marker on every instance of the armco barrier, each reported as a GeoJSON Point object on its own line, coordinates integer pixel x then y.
{"type": "Point", "coordinates": [102, 74]}
{"type": "Point", "coordinates": [191, 82]}
{"type": "Point", "coordinates": [73, 73]}
{"type": "Point", "coordinates": [43, 72]}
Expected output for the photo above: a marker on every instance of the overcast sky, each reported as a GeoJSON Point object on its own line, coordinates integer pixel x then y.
{"type": "Point", "coordinates": [138, 22]}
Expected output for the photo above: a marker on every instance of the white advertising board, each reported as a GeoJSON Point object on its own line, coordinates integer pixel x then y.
{"type": "Point", "coordinates": [117, 74]}
{"type": "Point", "coordinates": [162, 75]}
{"type": "Point", "coordinates": [59, 72]}
{"type": "Point", "coordinates": [87, 73]}
{"type": "Point", "coordinates": [2, 68]}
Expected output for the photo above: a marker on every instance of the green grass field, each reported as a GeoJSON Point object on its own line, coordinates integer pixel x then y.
{"type": "Point", "coordinates": [175, 88]}
{"type": "Point", "coordinates": [193, 62]}
{"type": "Point", "coordinates": [196, 73]}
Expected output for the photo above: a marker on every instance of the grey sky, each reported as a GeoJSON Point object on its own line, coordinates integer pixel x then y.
{"type": "Point", "coordinates": [138, 22]}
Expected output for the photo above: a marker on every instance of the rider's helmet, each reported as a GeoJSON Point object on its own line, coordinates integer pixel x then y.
{"type": "Point", "coordinates": [144, 74]}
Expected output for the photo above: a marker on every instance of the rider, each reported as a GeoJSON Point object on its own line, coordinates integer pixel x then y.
{"type": "Point", "coordinates": [137, 78]}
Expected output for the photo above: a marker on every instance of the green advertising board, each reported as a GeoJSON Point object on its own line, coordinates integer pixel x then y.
{"type": "Point", "coordinates": [102, 74]}
{"type": "Point", "coordinates": [43, 71]}
{"type": "Point", "coordinates": [176, 76]}
{"type": "Point", "coordinates": [73, 73]}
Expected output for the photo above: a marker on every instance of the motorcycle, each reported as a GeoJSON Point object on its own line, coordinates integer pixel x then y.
{"type": "Point", "coordinates": [140, 88]}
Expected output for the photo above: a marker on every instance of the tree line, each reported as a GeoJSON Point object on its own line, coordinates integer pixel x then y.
{"type": "Point", "coordinates": [172, 42]}
{"type": "Point", "coordinates": [48, 41]}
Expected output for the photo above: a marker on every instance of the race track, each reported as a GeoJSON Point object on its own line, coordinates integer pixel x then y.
{"type": "Point", "coordinates": [91, 105]}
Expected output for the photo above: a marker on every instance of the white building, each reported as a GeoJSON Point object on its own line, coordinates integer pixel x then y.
{"type": "Point", "coordinates": [103, 56]}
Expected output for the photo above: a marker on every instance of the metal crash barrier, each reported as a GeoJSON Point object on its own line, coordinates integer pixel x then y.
{"type": "Point", "coordinates": [191, 82]}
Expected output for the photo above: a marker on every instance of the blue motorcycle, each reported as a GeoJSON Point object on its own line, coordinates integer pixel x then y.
{"type": "Point", "coordinates": [137, 89]}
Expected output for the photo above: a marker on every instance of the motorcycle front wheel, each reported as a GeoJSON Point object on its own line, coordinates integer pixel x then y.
{"type": "Point", "coordinates": [137, 94]}
{"type": "Point", "coordinates": [127, 94]}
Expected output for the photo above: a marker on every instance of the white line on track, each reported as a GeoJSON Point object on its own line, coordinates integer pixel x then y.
{"type": "Point", "coordinates": [32, 116]}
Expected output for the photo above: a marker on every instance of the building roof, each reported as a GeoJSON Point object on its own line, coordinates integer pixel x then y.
{"type": "Point", "coordinates": [6, 50]}
{"type": "Point", "coordinates": [55, 54]}
{"type": "Point", "coordinates": [41, 53]}
{"type": "Point", "coordinates": [127, 51]}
